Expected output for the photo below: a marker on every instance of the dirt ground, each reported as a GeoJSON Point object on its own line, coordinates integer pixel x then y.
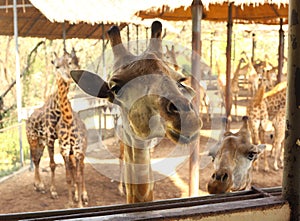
{"type": "Point", "coordinates": [18, 195]}
{"type": "Point", "coordinates": [171, 173]}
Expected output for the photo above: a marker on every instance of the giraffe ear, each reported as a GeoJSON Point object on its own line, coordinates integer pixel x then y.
{"type": "Point", "coordinates": [91, 83]}
{"type": "Point", "coordinates": [261, 148]}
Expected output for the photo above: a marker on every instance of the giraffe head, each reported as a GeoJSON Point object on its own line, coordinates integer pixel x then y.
{"type": "Point", "coordinates": [153, 101]}
{"type": "Point", "coordinates": [170, 57]}
{"type": "Point", "coordinates": [233, 161]}
{"type": "Point", "coordinates": [66, 63]}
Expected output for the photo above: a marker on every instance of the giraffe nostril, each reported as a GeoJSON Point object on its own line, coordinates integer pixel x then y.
{"type": "Point", "coordinates": [171, 108]}
{"type": "Point", "coordinates": [213, 176]}
{"type": "Point", "coordinates": [224, 177]}
{"type": "Point", "coordinates": [220, 177]}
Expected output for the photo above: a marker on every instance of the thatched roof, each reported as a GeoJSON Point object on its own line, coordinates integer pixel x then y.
{"type": "Point", "coordinates": [83, 19]}
{"type": "Point", "coordinates": [244, 11]}
{"type": "Point", "coordinates": [32, 23]}
{"type": "Point", "coordinates": [96, 11]}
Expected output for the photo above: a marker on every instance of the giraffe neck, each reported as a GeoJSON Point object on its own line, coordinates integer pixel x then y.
{"type": "Point", "coordinates": [64, 103]}
{"type": "Point", "coordinates": [236, 73]}
{"type": "Point", "coordinates": [138, 174]}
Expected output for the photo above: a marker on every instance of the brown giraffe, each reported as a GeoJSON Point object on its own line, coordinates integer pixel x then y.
{"type": "Point", "coordinates": [170, 57]}
{"type": "Point", "coordinates": [253, 78]}
{"type": "Point", "coordinates": [235, 84]}
{"type": "Point", "coordinates": [41, 128]}
{"type": "Point", "coordinates": [71, 132]}
{"type": "Point", "coordinates": [233, 161]}
{"type": "Point", "coordinates": [221, 80]}
{"type": "Point", "coordinates": [269, 74]}
{"type": "Point", "coordinates": [265, 107]}
{"type": "Point", "coordinates": [153, 104]}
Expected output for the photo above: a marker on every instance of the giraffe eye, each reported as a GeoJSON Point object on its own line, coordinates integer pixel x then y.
{"type": "Point", "coordinates": [115, 89]}
{"type": "Point", "coordinates": [251, 155]}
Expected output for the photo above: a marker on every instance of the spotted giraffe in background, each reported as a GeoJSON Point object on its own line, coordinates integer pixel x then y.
{"type": "Point", "coordinates": [253, 78]}
{"type": "Point", "coordinates": [265, 107]}
{"type": "Point", "coordinates": [235, 84]}
{"type": "Point", "coordinates": [41, 132]}
{"type": "Point", "coordinates": [71, 132]}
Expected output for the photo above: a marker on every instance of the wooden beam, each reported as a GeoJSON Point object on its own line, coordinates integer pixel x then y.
{"type": "Point", "coordinates": [280, 52]}
{"type": "Point", "coordinates": [291, 175]}
{"type": "Point", "coordinates": [196, 55]}
{"type": "Point", "coordinates": [228, 97]}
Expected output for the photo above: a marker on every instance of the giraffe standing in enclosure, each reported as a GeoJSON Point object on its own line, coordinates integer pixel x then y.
{"type": "Point", "coordinates": [41, 128]}
{"type": "Point", "coordinates": [265, 107]}
{"type": "Point", "coordinates": [153, 103]}
{"type": "Point", "coordinates": [253, 78]}
{"type": "Point", "coordinates": [235, 84]}
{"type": "Point", "coordinates": [71, 133]}
{"type": "Point", "coordinates": [233, 161]}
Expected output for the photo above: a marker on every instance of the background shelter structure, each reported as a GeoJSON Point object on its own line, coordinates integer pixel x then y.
{"type": "Point", "coordinates": [242, 11]}
{"type": "Point", "coordinates": [33, 23]}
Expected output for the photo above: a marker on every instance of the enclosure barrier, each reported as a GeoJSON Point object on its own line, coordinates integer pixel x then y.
{"type": "Point", "coordinates": [255, 204]}
{"type": "Point", "coordinates": [12, 157]}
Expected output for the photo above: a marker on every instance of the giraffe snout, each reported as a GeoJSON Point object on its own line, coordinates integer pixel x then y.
{"type": "Point", "coordinates": [220, 182]}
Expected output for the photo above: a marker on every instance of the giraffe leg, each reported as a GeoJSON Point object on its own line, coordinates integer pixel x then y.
{"type": "Point", "coordinates": [235, 104]}
{"type": "Point", "coordinates": [255, 126]}
{"type": "Point", "coordinates": [79, 183]}
{"type": "Point", "coordinates": [84, 194]}
{"type": "Point", "coordinates": [281, 154]}
{"type": "Point", "coordinates": [121, 167]}
{"type": "Point", "coordinates": [208, 116]}
{"type": "Point", "coordinates": [69, 179]}
{"type": "Point", "coordinates": [52, 166]}
{"type": "Point", "coordinates": [278, 140]}
{"type": "Point", "coordinates": [36, 151]}
{"type": "Point", "coordinates": [262, 139]}
{"type": "Point", "coordinates": [82, 197]}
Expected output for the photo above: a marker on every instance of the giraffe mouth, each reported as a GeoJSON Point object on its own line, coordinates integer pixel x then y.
{"type": "Point", "coordinates": [181, 138]}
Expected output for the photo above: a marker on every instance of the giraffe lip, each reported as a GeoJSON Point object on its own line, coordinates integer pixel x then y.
{"type": "Point", "coordinates": [182, 138]}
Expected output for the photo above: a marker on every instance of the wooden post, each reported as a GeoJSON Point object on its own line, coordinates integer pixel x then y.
{"type": "Point", "coordinates": [291, 175]}
{"type": "Point", "coordinates": [103, 51]}
{"type": "Point", "coordinates": [253, 47]}
{"type": "Point", "coordinates": [196, 54]}
{"type": "Point", "coordinates": [137, 39]}
{"type": "Point", "coordinates": [18, 82]}
{"type": "Point", "coordinates": [212, 34]}
{"type": "Point", "coordinates": [280, 51]}
{"type": "Point", "coordinates": [128, 38]}
{"type": "Point", "coordinates": [147, 38]}
{"type": "Point", "coordinates": [228, 97]}
{"type": "Point", "coordinates": [64, 34]}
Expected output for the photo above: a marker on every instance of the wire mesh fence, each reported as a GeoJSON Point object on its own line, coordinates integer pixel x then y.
{"type": "Point", "coordinates": [11, 153]}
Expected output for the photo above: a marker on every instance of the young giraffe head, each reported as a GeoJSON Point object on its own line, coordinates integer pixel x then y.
{"type": "Point", "coordinates": [153, 101]}
{"type": "Point", "coordinates": [233, 161]}
{"type": "Point", "coordinates": [66, 63]}
{"type": "Point", "coordinates": [170, 57]}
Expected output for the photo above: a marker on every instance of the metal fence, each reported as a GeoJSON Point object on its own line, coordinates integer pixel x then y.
{"type": "Point", "coordinates": [13, 156]}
